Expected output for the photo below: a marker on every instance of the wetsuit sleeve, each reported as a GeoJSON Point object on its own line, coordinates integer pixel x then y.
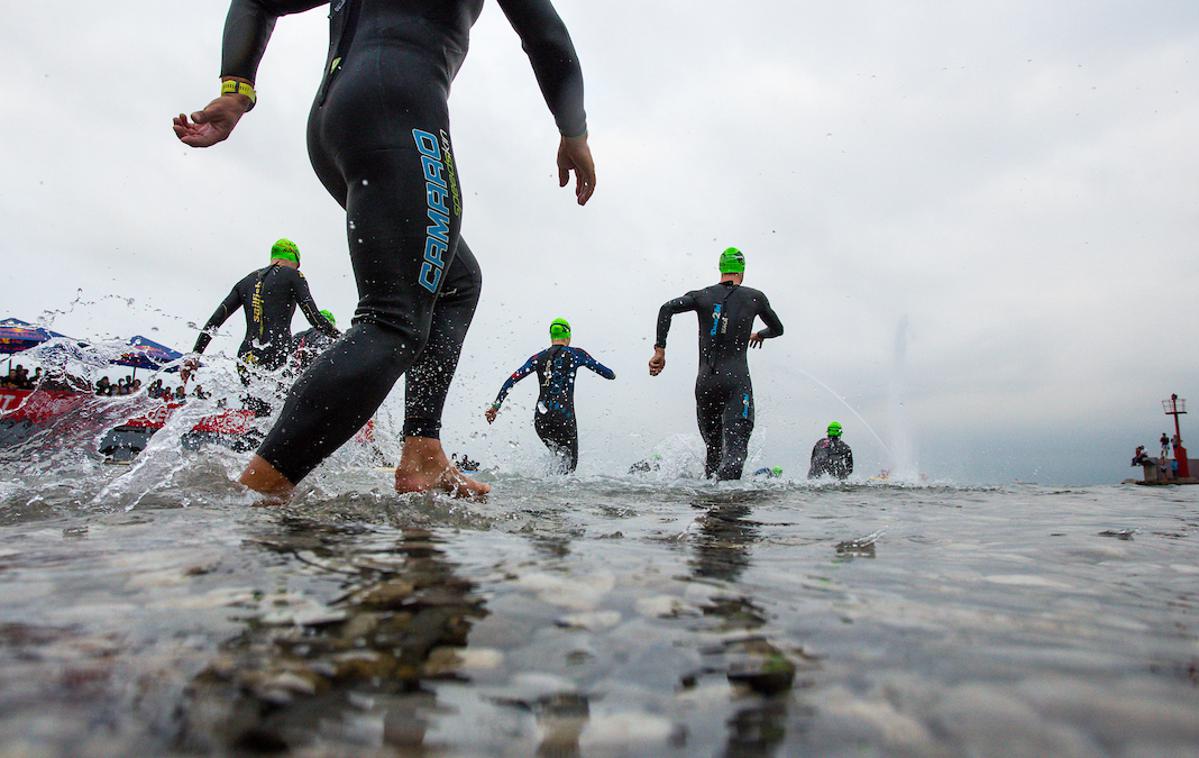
{"type": "Point", "coordinates": [774, 327]}
{"type": "Point", "coordinates": [520, 373]}
{"type": "Point", "coordinates": [668, 311]}
{"type": "Point", "coordinates": [222, 313]}
{"type": "Point", "coordinates": [547, 43]}
{"type": "Point", "coordinates": [248, 27]}
{"type": "Point", "coordinates": [587, 361]}
{"type": "Point", "coordinates": [308, 307]}
{"type": "Point", "coordinates": [848, 461]}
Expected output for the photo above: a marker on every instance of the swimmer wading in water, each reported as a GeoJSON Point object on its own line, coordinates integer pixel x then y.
{"type": "Point", "coordinates": [724, 394]}
{"type": "Point", "coordinates": [556, 366]}
{"type": "Point", "coordinates": [268, 297]}
{"type": "Point", "coordinates": [379, 140]}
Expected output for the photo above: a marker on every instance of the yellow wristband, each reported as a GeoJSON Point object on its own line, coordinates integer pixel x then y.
{"type": "Point", "coordinates": [230, 87]}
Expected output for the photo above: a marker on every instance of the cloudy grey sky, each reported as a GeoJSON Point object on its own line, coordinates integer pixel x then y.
{"type": "Point", "coordinates": [1015, 179]}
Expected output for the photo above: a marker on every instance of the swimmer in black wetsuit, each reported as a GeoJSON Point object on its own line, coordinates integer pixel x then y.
{"type": "Point", "coordinates": [310, 343]}
{"type": "Point", "coordinates": [378, 137]}
{"type": "Point", "coordinates": [555, 420]}
{"type": "Point", "coordinates": [268, 297]}
{"type": "Point", "coordinates": [831, 456]}
{"type": "Point", "coordinates": [724, 395]}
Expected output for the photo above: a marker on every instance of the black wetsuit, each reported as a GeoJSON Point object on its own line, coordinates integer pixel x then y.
{"type": "Point", "coordinates": [724, 395]}
{"type": "Point", "coordinates": [555, 420]}
{"type": "Point", "coordinates": [831, 457]}
{"type": "Point", "coordinates": [378, 137]}
{"type": "Point", "coordinates": [268, 297]}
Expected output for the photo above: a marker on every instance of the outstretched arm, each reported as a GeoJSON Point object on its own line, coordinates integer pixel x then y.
{"type": "Point", "coordinates": [586, 360]}
{"type": "Point", "coordinates": [308, 307]}
{"type": "Point", "coordinates": [222, 313]}
{"type": "Point", "coordinates": [679, 305]}
{"type": "Point", "coordinates": [774, 327]}
{"type": "Point", "coordinates": [248, 28]}
{"type": "Point", "coordinates": [556, 65]}
{"type": "Point", "coordinates": [517, 376]}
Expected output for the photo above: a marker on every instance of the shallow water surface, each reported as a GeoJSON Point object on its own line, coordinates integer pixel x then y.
{"type": "Point", "coordinates": [597, 616]}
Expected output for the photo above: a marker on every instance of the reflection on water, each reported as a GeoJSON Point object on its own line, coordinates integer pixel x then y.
{"type": "Point", "coordinates": [352, 671]}
{"type": "Point", "coordinates": [592, 617]}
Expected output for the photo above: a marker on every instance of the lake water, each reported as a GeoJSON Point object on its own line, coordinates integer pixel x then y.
{"type": "Point", "coordinates": [592, 616]}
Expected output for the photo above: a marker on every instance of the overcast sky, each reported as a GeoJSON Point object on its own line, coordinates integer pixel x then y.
{"type": "Point", "coordinates": [1015, 181]}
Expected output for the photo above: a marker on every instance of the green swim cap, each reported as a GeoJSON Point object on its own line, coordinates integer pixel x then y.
{"type": "Point", "coordinates": [329, 317]}
{"type": "Point", "coordinates": [777, 470]}
{"type": "Point", "coordinates": [285, 250]}
{"type": "Point", "coordinates": [559, 329]}
{"type": "Point", "coordinates": [834, 429]}
{"type": "Point", "coordinates": [732, 261]}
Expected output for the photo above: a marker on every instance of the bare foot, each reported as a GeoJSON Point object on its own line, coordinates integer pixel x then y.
{"type": "Point", "coordinates": [265, 479]}
{"type": "Point", "coordinates": [424, 468]}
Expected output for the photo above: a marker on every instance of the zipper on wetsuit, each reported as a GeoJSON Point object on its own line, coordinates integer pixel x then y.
{"type": "Point", "coordinates": [343, 17]}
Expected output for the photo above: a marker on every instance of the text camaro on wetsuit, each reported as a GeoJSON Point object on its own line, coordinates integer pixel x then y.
{"type": "Point", "coordinates": [441, 185]}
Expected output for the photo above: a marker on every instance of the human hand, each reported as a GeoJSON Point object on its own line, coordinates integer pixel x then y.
{"type": "Point", "coordinates": [575, 155]}
{"type": "Point", "coordinates": [755, 339]}
{"type": "Point", "coordinates": [490, 414]}
{"type": "Point", "coordinates": [213, 124]}
{"type": "Point", "coordinates": [658, 362]}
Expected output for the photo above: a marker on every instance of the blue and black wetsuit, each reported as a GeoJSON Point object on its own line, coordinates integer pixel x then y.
{"type": "Point", "coordinates": [379, 139]}
{"type": "Point", "coordinates": [268, 297]}
{"type": "Point", "coordinates": [724, 394]}
{"type": "Point", "coordinates": [555, 420]}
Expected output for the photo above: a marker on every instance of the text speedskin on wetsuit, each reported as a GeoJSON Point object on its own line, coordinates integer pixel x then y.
{"type": "Point", "coordinates": [724, 394]}
{"type": "Point", "coordinates": [555, 420]}
{"type": "Point", "coordinates": [268, 297]}
{"type": "Point", "coordinates": [379, 139]}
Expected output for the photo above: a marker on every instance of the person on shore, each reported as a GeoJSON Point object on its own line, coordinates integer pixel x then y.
{"type": "Point", "coordinates": [556, 366]}
{"type": "Point", "coordinates": [831, 456]}
{"type": "Point", "coordinates": [379, 139]}
{"type": "Point", "coordinates": [724, 396]}
{"type": "Point", "coordinates": [310, 343]}
{"type": "Point", "coordinates": [1165, 440]}
{"type": "Point", "coordinates": [268, 297]}
{"type": "Point", "coordinates": [1140, 457]}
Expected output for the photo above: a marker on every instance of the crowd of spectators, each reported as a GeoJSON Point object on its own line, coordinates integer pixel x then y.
{"type": "Point", "coordinates": [18, 378]}
{"type": "Point", "coordinates": [156, 390]}
{"type": "Point", "coordinates": [124, 386]}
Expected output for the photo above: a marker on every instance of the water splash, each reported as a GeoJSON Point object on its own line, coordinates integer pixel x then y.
{"type": "Point", "coordinates": [851, 409]}
{"type": "Point", "coordinates": [904, 465]}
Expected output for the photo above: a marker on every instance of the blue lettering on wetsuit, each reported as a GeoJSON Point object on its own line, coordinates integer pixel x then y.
{"type": "Point", "coordinates": [716, 319]}
{"type": "Point", "coordinates": [437, 239]}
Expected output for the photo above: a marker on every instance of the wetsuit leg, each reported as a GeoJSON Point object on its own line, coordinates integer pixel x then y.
{"type": "Point", "coordinates": [709, 412]}
{"type": "Point", "coordinates": [380, 144]}
{"type": "Point", "coordinates": [560, 433]}
{"type": "Point", "coordinates": [738, 425]}
{"type": "Point", "coordinates": [428, 381]}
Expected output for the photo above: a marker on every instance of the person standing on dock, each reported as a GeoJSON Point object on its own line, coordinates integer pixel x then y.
{"type": "Point", "coordinates": [724, 394]}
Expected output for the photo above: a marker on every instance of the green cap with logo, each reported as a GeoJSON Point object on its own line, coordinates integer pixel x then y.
{"type": "Point", "coordinates": [285, 250]}
{"type": "Point", "coordinates": [732, 261]}
{"type": "Point", "coordinates": [560, 329]}
{"type": "Point", "coordinates": [329, 316]}
{"type": "Point", "coordinates": [834, 429]}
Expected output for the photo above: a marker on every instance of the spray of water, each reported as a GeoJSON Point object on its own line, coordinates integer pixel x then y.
{"type": "Point", "coordinates": [903, 459]}
{"type": "Point", "coordinates": [851, 409]}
